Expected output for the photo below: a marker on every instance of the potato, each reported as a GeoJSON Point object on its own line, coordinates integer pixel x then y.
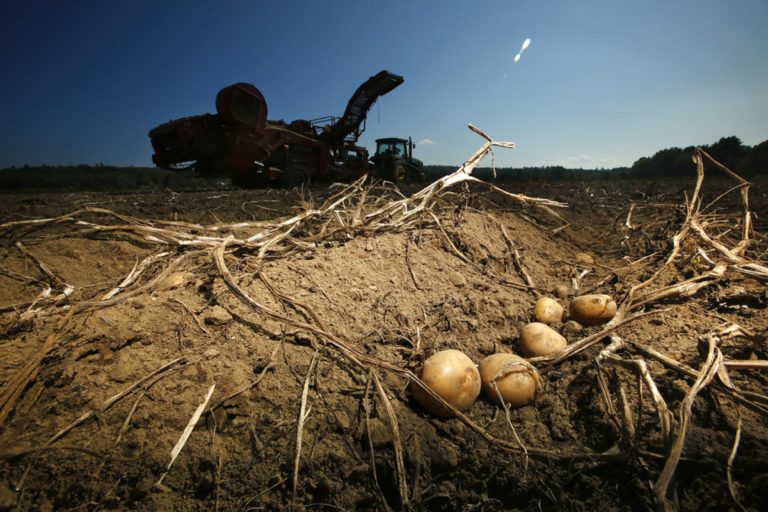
{"type": "Point", "coordinates": [592, 309]}
{"type": "Point", "coordinates": [510, 378]}
{"type": "Point", "coordinates": [454, 377]}
{"type": "Point", "coordinates": [548, 311]}
{"type": "Point", "coordinates": [537, 339]}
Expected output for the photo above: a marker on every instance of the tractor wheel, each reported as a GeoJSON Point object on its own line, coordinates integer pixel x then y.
{"type": "Point", "coordinates": [250, 178]}
{"type": "Point", "coordinates": [247, 180]}
{"type": "Point", "coordinates": [399, 174]}
{"type": "Point", "coordinates": [295, 176]}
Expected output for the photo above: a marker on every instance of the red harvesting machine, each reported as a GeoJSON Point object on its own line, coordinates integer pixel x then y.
{"type": "Point", "coordinates": [240, 142]}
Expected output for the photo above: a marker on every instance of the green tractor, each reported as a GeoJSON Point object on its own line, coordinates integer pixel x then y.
{"type": "Point", "coordinates": [394, 161]}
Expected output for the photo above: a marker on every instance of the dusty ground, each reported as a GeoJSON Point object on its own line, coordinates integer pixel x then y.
{"type": "Point", "coordinates": [394, 295]}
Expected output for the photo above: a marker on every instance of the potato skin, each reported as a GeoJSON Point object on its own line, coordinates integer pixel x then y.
{"type": "Point", "coordinates": [538, 339]}
{"type": "Point", "coordinates": [548, 311]}
{"type": "Point", "coordinates": [516, 382]}
{"type": "Point", "coordinates": [453, 376]}
{"type": "Point", "coordinates": [592, 309]}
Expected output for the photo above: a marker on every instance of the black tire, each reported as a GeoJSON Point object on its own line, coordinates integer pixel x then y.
{"type": "Point", "coordinates": [399, 174]}
{"type": "Point", "coordinates": [295, 176]}
{"type": "Point", "coordinates": [247, 180]}
{"type": "Point", "coordinates": [254, 177]}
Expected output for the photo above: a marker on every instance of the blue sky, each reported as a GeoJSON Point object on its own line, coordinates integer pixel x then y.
{"type": "Point", "coordinates": [602, 83]}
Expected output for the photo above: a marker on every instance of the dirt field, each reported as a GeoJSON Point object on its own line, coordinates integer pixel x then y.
{"type": "Point", "coordinates": [304, 338]}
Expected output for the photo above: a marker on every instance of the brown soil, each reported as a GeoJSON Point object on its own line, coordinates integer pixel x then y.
{"type": "Point", "coordinates": [396, 296]}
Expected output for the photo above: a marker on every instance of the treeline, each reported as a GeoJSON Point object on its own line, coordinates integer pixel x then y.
{"type": "Point", "coordinates": [729, 151]}
{"type": "Point", "coordinates": [66, 178]}
{"type": "Point", "coordinates": [549, 173]}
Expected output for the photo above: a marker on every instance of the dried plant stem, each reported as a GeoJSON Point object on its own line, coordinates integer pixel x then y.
{"type": "Point", "coordinates": [16, 385]}
{"type": "Point", "coordinates": [640, 367]}
{"type": "Point", "coordinates": [186, 433]}
{"type": "Point", "coordinates": [402, 484]}
{"type": "Point", "coordinates": [303, 413]}
{"type": "Point", "coordinates": [746, 365]}
{"type": "Point", "coordinates": [123, 427]}
{"type": "Point", "coordinates": [629, 427]}
{"type": "Point", "coordinates": [731, 460]}
{"type": "Point", "coordinates": [136, 272]}
{"type": "Point", "coordinates": [285, 298]}
{"type": "Point", "coordinates": [408, 264]}
{"type": "Point", "coordinates": [516, 258]}
{"type": "Point", "coordinates": [742, 397]}
{"type": "Point", "coordinates": [705, 376]}
{"type": "Point", "coordinates": [693, 226]}
{"type": "Point", "coordinates": [585, 343]}
{"type": "Point", "coordinates": [371, 451]}
{"type": "Point", "coordinates": [687, 288]}
{"type": "Point", "coordinates": [56, 281]}
{"type": "Point", "coordinates": [191, 313]}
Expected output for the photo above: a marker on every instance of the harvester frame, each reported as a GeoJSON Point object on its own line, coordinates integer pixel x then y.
{"type": "Point", "coordinates": [240, 142]}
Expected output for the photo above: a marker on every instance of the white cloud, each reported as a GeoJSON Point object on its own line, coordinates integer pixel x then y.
{"type": "Point", "coordinates": [578, 159]}
{"type": "Point", "coordinates": [426, 142]}
{"type": "Point", "coordinates": [586, 161]}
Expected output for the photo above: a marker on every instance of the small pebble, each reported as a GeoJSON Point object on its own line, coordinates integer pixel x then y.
{"type": "Point", "coordinates": [173, 281]}
{"type": "Point", "coordinates": [583, 258]}
{"type": "Point", "coordinates": [8, 498]}
{"type": "Point", "coordinates": [217, 315]}
{"type": "Point", "coordinates": [572, 327]}
{"type": "Point", "coordinates": [457, 280]}
{"type": "Point", "coordinates": [562, 291]}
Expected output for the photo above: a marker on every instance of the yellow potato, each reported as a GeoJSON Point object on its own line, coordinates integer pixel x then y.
{"type": "Point", "coordinates": [510, 378]}
{"type": "Point", "coordinates": [537, 339]}
{"type": "Point", "coordinates": [454, 377]}
{"type": "Point", "coordinates": [592, 309]}
{"type": "Point", "coordinates": [548, 311]}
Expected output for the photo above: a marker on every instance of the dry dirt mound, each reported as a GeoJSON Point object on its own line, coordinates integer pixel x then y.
{"type": "Point", "coordinates": [289, 343]}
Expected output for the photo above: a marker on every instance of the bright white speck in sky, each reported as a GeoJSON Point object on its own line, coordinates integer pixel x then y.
{"type": "Point", "coordinates": [525, 45]}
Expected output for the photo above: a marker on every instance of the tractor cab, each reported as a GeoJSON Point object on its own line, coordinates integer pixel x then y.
{"type": "Point", "coordinates": [393, 147]}
{"type": "Point", "coordinates": [394, 160]}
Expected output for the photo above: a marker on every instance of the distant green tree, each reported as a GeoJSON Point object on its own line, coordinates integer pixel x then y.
{"type": "Point", "coordinates": [754, 161]}
{"type": "Point", "coordinates": [557, 172]}
{"type": "Point", "coordinates": [728, 151]}
{"type": "Point", "coordinates": [667, 162]}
